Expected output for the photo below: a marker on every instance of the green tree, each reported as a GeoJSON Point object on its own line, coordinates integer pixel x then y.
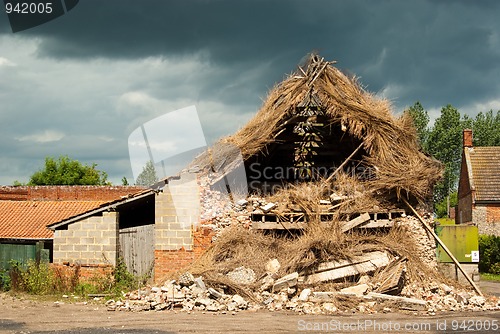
{"type": "Point", "coordinates": [148, 175]}
{"type": "Point", "coordinates": [420, 118]}
{"type": "Point", "coordinates": [445, 144]}
{"type": "Point", "coordinates": [486, 129]}
{"type": "Point", "coordinates": [124, 181]}
{"type": "Point", "coordinates": [66, 171]}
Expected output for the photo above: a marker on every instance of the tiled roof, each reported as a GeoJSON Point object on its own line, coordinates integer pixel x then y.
{"type": "Point", "coordinates": [29, 219]}
{"type": "Point", "coordinates": [67, 193]}
{"type": "Point", "coordinates": [485, 163]}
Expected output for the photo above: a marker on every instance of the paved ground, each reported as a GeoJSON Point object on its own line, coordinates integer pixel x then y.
{"type": "Point", "coordinates": [27, 316]}
{"type": "Point", "coordinates": [43, 317]}
{"type": "Point", "coordinates": [490, 287]}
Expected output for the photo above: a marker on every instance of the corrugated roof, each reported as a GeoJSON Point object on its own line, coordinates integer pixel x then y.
{"type": "Point", "coordinates": [485, 163]}
{"type": "Point", "coordinates": [29, 219]}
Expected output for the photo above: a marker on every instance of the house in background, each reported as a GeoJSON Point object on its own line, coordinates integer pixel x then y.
{"type": "Point", "coordinates": [25, 213]}
{"type": "Point", "coordinates": [479, 187]}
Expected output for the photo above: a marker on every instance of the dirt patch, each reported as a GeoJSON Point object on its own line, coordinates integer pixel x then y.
{"type": "Point", "coordinates": [28, 316]}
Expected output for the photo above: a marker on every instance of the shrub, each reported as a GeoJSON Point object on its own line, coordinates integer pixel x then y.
{"type": "Point", "coordinates": [489, 254]}
{"type": "Point", "coordinates": [4, 280]}
{"type": "Point", "coordinates": [43, 278]}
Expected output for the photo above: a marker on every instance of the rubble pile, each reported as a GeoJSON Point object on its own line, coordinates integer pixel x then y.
{"type": "Point", "coordinates": [370, 281]}
{"type": "Point", "coordinates": [286, 293]}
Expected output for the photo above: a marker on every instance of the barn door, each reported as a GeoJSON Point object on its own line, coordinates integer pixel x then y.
{"type": "Point", "coordinates": [137, 249]}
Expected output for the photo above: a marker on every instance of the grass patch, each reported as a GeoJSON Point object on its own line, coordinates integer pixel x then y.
{"type": "Point", "coordinates": [490, 277]}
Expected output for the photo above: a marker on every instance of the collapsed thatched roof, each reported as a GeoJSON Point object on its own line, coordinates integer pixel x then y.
{"type": "Point", "coordinates": [390, 144]}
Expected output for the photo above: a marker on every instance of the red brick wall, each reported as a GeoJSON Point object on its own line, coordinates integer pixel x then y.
{"type": "Point", "coordinates": [66, 193]}
{"type": "Point", "coordinates": [171, 261]}
{"type": "Point", "coordinates": [84, 273]}
{"type": "Point", "coordinates": [493, 213]}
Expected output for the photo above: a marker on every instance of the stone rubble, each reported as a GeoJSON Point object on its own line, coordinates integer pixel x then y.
{"type": "Point", "coordinates": [275, 293]}
{"type": "Point", "coordinates": [291, 297]}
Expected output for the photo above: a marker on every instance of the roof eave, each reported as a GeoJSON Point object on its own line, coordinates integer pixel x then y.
{"type": "Point", "coordinates": [107, 207]}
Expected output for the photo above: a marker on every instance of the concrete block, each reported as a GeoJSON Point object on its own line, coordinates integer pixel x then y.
{"type": "Point", "coordinates": [89, 226]}
{"type": "Point", "coordinates": [80, 248]}
{"type": "Point", "coordinates": [187, 241]}
{"type": "Point", "coordinates": [109, 248]}
{"type": "Point", "coordinates": [109, 234]}
{"type": "Point", "coordinates": [60, 257]}
{"type": "Point", "coordinates": [86, 256]}
{"type": "Point", "coordinates": [66, 247]}
{"type": "Point", "coordinates": [167, 211]}
{"type": "Point", "coordinates": [81, 233]}
{"type": "Point", "coordinates": [103, 241]}
{"type": "Point", "coordinates": [95, 248]}
{"type": "Point", "coordinates": [94, 234]}
{"type": "Point", "coordinates": [357, 290]}
{"type": "Point", "coordinates": [87, 241]}
{"type": "Point", "coordinates": [73, 255]}
{"type": "Point", "coordinates": [111, 257]}
{"type": "Point", "coordinates": [183, 220]}
{"type": "Point", "coordinates": [73, 240]}
{"type": "Point", "coordinates": [169, 234]}
{"type": "Point", "coordinates": [93, 220]}
{"type": "Point", "coordinates": [76, 226]}
{"type": "Point", "coordinates": [183, 234]}
{"type": "Point", "coordinates": [176, 241]}
{"type": "Point", "coordinates": [169, 219]}
{"type": "Point", "coordinates": [175, 226]}
{"type": "Point", "coordinates": [67, 233]}
{"type": "Point", "coordinates": [288, 281]}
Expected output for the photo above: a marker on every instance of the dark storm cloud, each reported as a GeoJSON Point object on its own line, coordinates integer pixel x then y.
{"type": "Point", "coordinates": [436, 51]}
{"type": "Point", "coordinates": [105, 67]}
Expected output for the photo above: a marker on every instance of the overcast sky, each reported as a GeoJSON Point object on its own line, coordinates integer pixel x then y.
{"type": "Point", "coordinates": [80, 84]}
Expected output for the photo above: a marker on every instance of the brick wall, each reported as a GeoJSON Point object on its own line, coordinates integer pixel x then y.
{"type": "Point", "coordinates": [66, 193]}
{"type": "Point", "coordinates": [487, 219]}
{"type": "Point", "coordinates": [83, 273]}
{"type": "Point", "coordinates": [493, 213]}
{"type": "Point", "coordinates": [177, 210]}
{"type": "Point", "coordinates": [171, 261]}
{"type": "Point", "coordinates": [179, 237]}
{"type": "Point", "coordinates": [89, 242]}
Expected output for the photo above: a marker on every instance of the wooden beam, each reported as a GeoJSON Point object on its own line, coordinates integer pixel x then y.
{"type": "Point", "coordinates": [355, 222]}
{"type": "Point", "coordinates": [278, 226]}
{"type": "Point", "coordinates": [405, 303]}
{"type": "Point", "coordinates": [453, 258]}
{"type": "Point", "coordinates": [344, 163]}
{"type": "Point", "coordinates": [331, 271]}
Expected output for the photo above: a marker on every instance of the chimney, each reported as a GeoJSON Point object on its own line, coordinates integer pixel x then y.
{"type": "Point", "coordinates": [467, 138]}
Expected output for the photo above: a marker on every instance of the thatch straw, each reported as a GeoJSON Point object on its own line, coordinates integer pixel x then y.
{"type": "Point", "coordinates": [238, 246]}
{"type": "Point", "coordinates": [390, 143]}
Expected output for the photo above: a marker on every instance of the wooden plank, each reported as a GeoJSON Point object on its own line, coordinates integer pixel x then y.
{"type": "Point", "coordinates": [343, 269]}
{"type": "Point", "coordinates": [392, 278]}
{"type": "Point", "coordinates": [378, 223]}
{"type": "Point", "coordinates": [431, 231]}
{"type": "Point", "coordinates": [355, 222]}
{"type": "Point", "coordinates": [278, 225]}
{"type": "Point", "coordinates": [405, 303]}
{"type": "Point", "coordinates": [344, 263]}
